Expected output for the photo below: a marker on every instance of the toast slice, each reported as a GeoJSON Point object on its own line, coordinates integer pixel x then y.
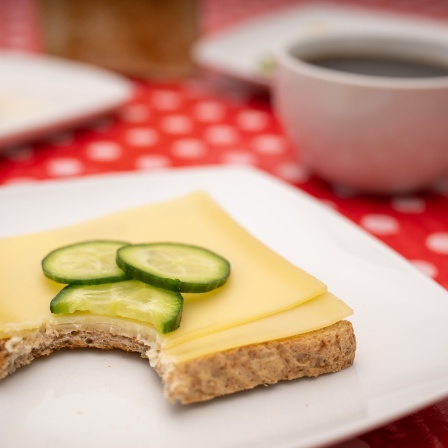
{"type": "Point", "coordinates": [326, 350]}
{"type": "Point", "coordinates": [271, 322]}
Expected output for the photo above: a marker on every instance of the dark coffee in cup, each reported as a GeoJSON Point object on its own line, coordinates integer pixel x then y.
{"type": "Point", "coordinates": [382, 133]}
{"type": "Point", "coordinates": [376, 55]}
{"type": "Point", "coordinates": [379, 65]}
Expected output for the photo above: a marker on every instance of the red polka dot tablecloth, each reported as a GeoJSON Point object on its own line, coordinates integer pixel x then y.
{"type": "Point", "coordinates": [210, 119]}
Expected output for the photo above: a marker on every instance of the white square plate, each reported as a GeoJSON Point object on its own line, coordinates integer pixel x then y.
{"type": "Point", "coordinates": [113, 399]}
{"type": "Point", "coordinates": [41, 94]}
{"type": "Point", "coordinates": [246, 49]}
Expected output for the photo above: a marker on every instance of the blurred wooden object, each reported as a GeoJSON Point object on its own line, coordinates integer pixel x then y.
{"type": "Point", "coordinates": [145, 38]}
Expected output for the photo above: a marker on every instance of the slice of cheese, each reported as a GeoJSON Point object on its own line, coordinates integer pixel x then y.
{"type": "Point", "coordinates": [316, 313]}
{"type": "Point", "coordinates": [261, 283]}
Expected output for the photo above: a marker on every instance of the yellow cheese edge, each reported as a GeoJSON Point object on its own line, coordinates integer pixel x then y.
{"type": "Point", "coordinates": [301, 301]}
{"type": "Point", "coordinates": [314, 314]}
{"type": "Point", "coordinates": [261, 282]}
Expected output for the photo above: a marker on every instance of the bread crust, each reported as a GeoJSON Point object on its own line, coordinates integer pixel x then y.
{"type": "Point", "coordinates": [311, 354]}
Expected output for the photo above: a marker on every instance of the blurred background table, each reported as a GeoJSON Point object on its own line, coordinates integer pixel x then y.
{"type": "Point", "coordinates": [208, 119]}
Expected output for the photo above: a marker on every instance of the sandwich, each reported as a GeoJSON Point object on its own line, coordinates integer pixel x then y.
{"type": "Point", "coordinates": [256, 320]}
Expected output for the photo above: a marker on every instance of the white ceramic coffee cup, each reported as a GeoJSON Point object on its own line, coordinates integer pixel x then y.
{"type": "Point", "coordinates": [378, 134]}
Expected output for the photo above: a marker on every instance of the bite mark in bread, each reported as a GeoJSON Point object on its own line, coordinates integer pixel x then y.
{"type": "Point", "coordinates": [240, 338]}
{"type": "Point", "coordinates": [311, 354]}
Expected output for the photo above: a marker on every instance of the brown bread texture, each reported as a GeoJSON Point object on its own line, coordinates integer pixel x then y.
{"type": "Point", "coordinates": [311, 354]}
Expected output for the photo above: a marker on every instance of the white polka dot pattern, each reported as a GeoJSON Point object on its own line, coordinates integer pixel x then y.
{"type": "Point", "coordinates": [268, 144]}
{"type": "Point", "coordinates": [221, 135]}
{"type": "Point", "coordinates": [150, 162]}
{"type": "Point", "coordinates": [209, 111]}
{"type": "Point", "coordinates": [104, 151]}
{"type": "Point", "coordinates": [177, 124]}
{"type": "Point", "coordinates": [239, 158]}
{"type": "Point", "coordinates": [408, 204]}
{"type": "Point", "coordinates": [380, 224]}
{"type": "Point", "coordinates": [190, 148]}
{"type": "Point", "coordinates": [142, 137]}
{"type": "Point", "coordinates": [293, 172]}
{"type": "Point", "coordinates": [166, 100]}
{"type": "Point", "coordinates": [438, 242]}
{"type": "Point", "coordinates": [250, 120]}
{"type": "Point", "coordinates": [426, 267]}
{"type": "Point", "coordinates": [64, 167]}
{"type": "Point", "coordinates": [135, 114]}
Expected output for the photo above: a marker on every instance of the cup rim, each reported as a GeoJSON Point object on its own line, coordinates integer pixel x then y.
{"type": "Point", "coordinates": [393, 42]}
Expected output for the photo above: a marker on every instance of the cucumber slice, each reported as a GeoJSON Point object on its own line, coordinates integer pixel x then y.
{"type": "Point", "coordinates": [174, 266]}
{"type": "Point", "coordinates": [130, 298]}
{"type": "Point", "coordinates": [85, 263]}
